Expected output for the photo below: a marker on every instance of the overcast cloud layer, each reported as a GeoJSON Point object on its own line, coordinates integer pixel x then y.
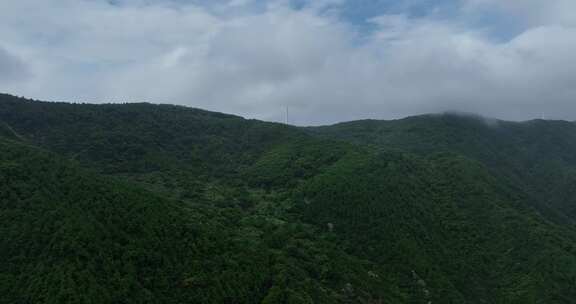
{"type": "Point", "coordinates": [508, 59]}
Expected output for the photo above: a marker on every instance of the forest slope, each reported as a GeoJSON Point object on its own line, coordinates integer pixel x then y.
{"type": "Point", "coordinates": [151, 203]}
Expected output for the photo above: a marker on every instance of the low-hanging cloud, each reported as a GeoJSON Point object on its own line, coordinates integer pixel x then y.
{"type": "Point", "coordinates": [254, 58]}
{"type": "Point", "coordinates": [12, 69]}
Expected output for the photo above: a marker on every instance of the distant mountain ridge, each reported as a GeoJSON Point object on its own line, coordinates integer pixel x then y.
{"type": "Point", "coordinates": [535, 154]}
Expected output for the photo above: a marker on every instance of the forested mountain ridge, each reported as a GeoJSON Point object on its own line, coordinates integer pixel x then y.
{"type": "Point", "coordinates": [117, 242]}
{"type": "Point", "coordinates": [219, 209]}
{"type": "Point", "coordinates": [537, 156]}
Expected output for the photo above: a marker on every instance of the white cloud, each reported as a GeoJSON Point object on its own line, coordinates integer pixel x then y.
{"type": "Point", "coordinates": [254, 62]}
{"type": "Point", "coordinates": [12, 69]}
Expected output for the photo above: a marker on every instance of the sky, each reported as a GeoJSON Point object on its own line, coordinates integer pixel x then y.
{"type": "Point", "coordinates": [326, 60]}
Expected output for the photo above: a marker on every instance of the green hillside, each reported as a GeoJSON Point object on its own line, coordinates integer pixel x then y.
{"type": "Point", "coordinates": [535, 156]}
{"type": "Point", "coordinates": [142, 203]}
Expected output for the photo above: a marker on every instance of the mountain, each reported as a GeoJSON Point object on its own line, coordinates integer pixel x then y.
{"type": "Point", "coordinates": [536, 156]}
{"type": "Point", "coordinates": [143, 203]}
{"type": "Point", "coordinates": [156, 218]}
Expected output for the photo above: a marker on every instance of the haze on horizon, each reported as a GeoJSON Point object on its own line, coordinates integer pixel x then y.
{"type": "Point", "coordinates": [327, 60]}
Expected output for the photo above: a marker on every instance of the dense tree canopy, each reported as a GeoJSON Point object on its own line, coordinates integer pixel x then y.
{"type": "Point", "coordinates": [142, 203]}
